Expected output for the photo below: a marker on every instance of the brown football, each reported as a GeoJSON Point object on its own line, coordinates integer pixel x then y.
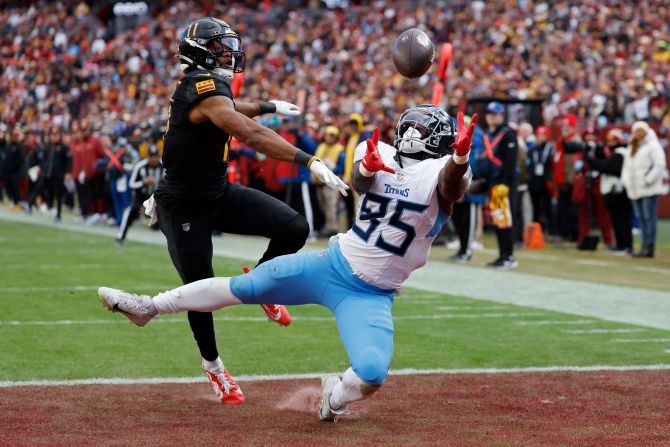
{"type": "Point", "coordinates": [413, 53]}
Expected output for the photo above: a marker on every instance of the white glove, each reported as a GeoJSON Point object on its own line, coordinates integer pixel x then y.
{"type": "Point", "coordinates": [286, 108]}
{"type": "Point", "coordinates": [321, 171]}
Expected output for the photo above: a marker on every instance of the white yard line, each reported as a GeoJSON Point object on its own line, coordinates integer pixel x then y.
{"type": "Point", "coordinates": [317, 375]}
{"type": "Point", "coordinates": [640, 340]}
{"type": "Point", "coordinates": [80, 288]}
{"type": "Point", "coordinates": [632, 305]}
{"type": "Point", "coordinates": [262, 319]}
{"type": "Point", "coordinates": [554, 322]}
{"type": "Point", "coordinates": [601, 331]}
{"type": "Point", "coordinates": [443, 308]}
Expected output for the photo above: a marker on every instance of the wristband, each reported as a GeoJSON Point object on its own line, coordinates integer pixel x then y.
{"type": "Point", "coordinates": [304, 158]}
{"type": "Point", "coordinates": [461, 159]}
{"type": "Point", "coordinates": [266, 107]}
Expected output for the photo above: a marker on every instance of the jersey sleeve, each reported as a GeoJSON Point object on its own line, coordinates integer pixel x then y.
{"type": "Point", "coordinates": [203, 85]}
{"type": "Point", "coordinates": [359, 152]}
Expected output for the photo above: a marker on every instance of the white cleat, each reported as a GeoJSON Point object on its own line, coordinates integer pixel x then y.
{"type": "Point", "coordinates": [326, 413]}
{"type": "Point", "coordinates": [134, 307]}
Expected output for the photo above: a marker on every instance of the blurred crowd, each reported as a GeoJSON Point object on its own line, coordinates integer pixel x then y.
{"type": "Point", "coordinates": [79, 76]}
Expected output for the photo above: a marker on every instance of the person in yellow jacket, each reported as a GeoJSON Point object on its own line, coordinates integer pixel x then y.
{"type": "Point", "coordinates": [355, 133]}
{"type": "Point", "coordinates": [331, 152]}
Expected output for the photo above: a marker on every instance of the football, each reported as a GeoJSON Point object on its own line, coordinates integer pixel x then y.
{"type": "Point", "coordinates": [413, 53]}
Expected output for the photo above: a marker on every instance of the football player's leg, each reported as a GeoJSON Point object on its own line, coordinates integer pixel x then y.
{"type": "Point", "coordinates": [252, 212]}
{"type": "Point", "coordinates": [189, 240]}
{"type": "Point", "coordinates": [292, 279]}
{"type": "Point", "coordinates": [366, 329]}
{"type": "Point", "coordinates": [249, 211]}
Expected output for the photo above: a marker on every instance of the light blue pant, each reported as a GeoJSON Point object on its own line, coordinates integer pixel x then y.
{"type": "Point", "coordinates": [362, 311]}
{"type": "Point", "coordinates": [645, 210]}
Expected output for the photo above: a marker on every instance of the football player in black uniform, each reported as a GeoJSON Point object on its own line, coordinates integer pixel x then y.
{"type": "Point", "coordinates": [194, 199]}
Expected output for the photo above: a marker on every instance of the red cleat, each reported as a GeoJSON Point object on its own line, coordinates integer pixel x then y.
{"type": "Point", "coordinates": [225, 388]}
{"type": "Point", "coordinates": [275, 312]}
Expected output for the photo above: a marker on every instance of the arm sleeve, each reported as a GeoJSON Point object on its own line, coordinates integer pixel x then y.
{"type": "Point", "coordinates": [611, 166]}
{"type": "Point", "coordinates": [359, 152]}
{"type": "Point", "coordinates": [572, 147]}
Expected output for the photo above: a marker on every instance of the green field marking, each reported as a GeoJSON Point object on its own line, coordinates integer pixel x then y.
{"type": "Point", "coordinates": [51, 277]}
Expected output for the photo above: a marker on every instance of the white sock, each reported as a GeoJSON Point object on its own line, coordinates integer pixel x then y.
{"type": "Point", "coordinates": [350, 389]}
{"type": "Point", "coordinates": [215, 366]}
{"type": "Point", "coordinates": [205, 295]}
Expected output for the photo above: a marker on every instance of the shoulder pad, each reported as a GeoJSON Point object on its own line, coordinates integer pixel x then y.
{"type": "Point", "coordinates": [200, 84]}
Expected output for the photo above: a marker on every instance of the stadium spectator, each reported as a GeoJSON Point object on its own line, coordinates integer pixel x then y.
{"type": "Point", "coordinates": [499, 168]}
{"type": "Point", "coordinates": [14, 166]}
{"type": "Point", "coordinates": [538, 160]}
{"type": "Point", "coordinates": [117, 162]}
{"type": "Point", "coordinates": [563, 175]}
{"type": "Point", "coordinates": [55, 163]}
{"type": "Point", "coordinates": [608, 164]}
{"type": "Point", "coordinates": [643, 173]}
{"type": "Point", "coordinates": [331, 152]}
{"type": "Point", "coordinates": [466, 212]}
{"type": "Point", "coordinates": [586, 190]}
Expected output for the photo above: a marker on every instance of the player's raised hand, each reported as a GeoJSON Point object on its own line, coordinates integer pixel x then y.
{"type": "Point", "coordinates": [372, 161]}
{"type": "Point", "coordinates": [286, 108]}
{"type": "Point", "coordinates": [464, 136]}
{"type": "Point", "coordinates": [321, 171]}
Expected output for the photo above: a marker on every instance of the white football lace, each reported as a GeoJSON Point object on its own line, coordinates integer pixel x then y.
{"type": "Point", "coordinates": [227, 386]}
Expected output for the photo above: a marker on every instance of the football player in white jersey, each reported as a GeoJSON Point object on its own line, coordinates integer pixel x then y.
{"type": "Point", "coordinates": [408, 191]}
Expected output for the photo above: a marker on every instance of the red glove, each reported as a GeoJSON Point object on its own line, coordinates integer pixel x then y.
{"type": "Point", "coordinates": [464, 137]}
{"type": "Point", "coordinates": [372, 161]}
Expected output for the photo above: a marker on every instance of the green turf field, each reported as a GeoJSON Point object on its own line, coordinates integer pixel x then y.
{"type": "Point", "coordinates": [53, 327]}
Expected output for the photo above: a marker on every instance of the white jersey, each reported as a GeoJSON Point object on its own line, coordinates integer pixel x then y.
{"type": "Point", "coordinates": [396, 221]}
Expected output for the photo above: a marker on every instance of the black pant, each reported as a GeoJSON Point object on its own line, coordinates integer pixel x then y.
{"type": "Point", "coordinates": [621, 214]}
{"type": "Point", "coordinates": [12, 185]}
{"type": "Point", "coordinates": [131, 214]}
{"type": "Point", "coordinates": [188, 230]}
{"type": "Point", "coordinates": [464, 217]}
{"type": "Point", "coordinates": [85, 196]}
{"type": "Point", "coordinates": [541, 201]}
{"type": "Point", "coordinates": [506, 236]}
{"type": "Point", "coordinates": [52, 189]}
{"type": "Point", "coordinates": [567, 214]}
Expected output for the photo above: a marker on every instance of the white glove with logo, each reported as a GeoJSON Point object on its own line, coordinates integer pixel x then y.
{"type": "Point", "coordinates": [321, 171]}
{"type": "Point", "coordinates": [286, 108]}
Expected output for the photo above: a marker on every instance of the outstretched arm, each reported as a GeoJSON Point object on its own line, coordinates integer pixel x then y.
{"type": "Point", "coordinates": [219, 109]}
{"type": "Point", "coordinates": [454, 179]}
{"type": "Point", "coordinates": [364, 171]}
{"type": "Point", "coordinates": [253, 109]}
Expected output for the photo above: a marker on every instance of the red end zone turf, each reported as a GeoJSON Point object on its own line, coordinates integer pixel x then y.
{"type": "Point", "coordinates": [529, 409]}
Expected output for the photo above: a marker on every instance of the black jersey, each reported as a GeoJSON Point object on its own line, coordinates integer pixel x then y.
{"type": "Point", "coordinates": [194, 155]}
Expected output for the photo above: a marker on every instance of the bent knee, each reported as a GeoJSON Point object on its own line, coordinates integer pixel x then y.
{"type": "Point", "coordinates": [372, 367]}
{"type": "Point", "coordinates": [296, 230]}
